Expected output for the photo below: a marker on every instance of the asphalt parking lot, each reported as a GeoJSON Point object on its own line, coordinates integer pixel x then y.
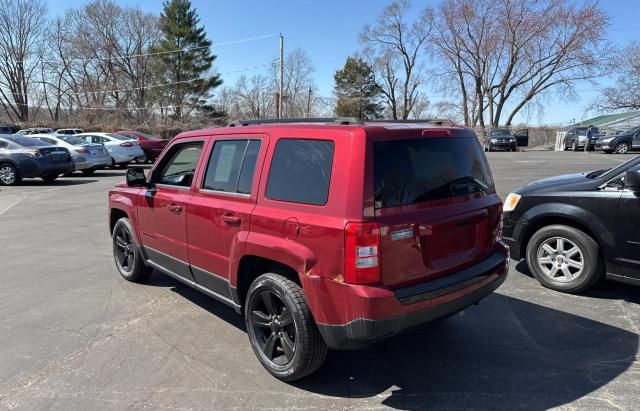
{"type": "Point", "coordinates": [74, 335]}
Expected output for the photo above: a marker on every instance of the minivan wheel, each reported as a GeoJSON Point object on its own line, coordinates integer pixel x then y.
{"type": "Point", "coordinates": [126, 253]}
{"type": "Point", "coordinates": [9, 175]}
{"type": "Point", "coordinates": [574, 146]}
{"type": "Point", "coordinates": [622, 147]}
{"type": "Point", "coordinates": [564, 258]}
{"type": "Point", "coordinates": [281, 330]}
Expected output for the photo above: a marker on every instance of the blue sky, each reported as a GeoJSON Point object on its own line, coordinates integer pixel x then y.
{"type": "Point", "coordinates": [328, 31]}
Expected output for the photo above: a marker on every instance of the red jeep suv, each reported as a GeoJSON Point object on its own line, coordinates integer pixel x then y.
{"type": "Point", "coordinates": [324, 234]}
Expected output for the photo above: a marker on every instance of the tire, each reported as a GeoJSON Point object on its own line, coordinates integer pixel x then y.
{"type": "Point", "coordinates": [622, 148]}
{"type": "Point", "coordinates": [88, 172]}
{"type": "Point", "coordinates": [574, 146]}
{"type": "Point", "coordinates": [9, 175]}
{"type": "Point", "coordinates": [132, 268]}
{"type": "Point", "coordinates": [47, 178]}
{"type": "Point", "coordinates": [545, 245]}
{"type": "Point", "coordinates": [290, 346]}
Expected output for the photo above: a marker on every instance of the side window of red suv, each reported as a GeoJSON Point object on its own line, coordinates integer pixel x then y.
{"type": "Point", "coordinates": [231, 166]}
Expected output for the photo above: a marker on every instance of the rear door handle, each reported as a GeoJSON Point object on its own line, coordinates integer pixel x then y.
{"type": "Point", "coordinates": [174, 208]}
{"type": "Point", "coordinates": [231, 219]}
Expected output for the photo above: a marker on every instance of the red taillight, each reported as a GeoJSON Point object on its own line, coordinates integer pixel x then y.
{"type": "Point", "coordinates": [362, 253]}
{"type": "Point", "coordinates": [126, 145]}
{"type": "Point", "coordinates": [82, 151]}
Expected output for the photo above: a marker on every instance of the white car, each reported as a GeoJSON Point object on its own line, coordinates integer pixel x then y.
{"type": "Point", "coordinates": [30, 131]}
{"type": "Point", "coordinates": [68, 131]}
{"type": "Point", "coordinates": [122, 149]}
{"type": "Point", "coordinates": [86, 157]}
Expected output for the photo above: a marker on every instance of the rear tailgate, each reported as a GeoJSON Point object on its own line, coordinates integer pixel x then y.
{"type": "Point", "coordinates": [436, 207]}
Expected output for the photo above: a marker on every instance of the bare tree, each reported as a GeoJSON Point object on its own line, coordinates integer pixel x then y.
{"type": "Point", "coordinates": [254, 97]}
{"type": "Point", "coordinates": [300, 93]}
{"type": "Point", "coordinates": [625, 93]}
{"type": "Point", "coordinates": [505, 54]}
{"type": "Point", "coordinates": [393, 48]}
{"type": "Point", "coordinates": [22, 26]}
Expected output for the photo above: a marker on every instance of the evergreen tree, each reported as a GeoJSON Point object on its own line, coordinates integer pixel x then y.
{"type": "Point", "coordinates": [180, 25]}
{"type": "Point", "coordinates": [356, 91]}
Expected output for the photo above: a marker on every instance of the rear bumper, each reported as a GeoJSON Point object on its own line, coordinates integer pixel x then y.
{"type": "Point", "coordinates": [32, 168]}
{"type": "Point", "coordinates": [92, 163]}
{"type": "Point", "coordinates": [414, 306]}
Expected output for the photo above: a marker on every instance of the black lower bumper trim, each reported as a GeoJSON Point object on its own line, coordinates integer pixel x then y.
{"type": "Point", "coordinates": [363, 332]}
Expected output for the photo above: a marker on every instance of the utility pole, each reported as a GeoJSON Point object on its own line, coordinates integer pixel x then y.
{"type": "Point", "coordinates": [309, 103]}
{"type": "Point", "coordinates": [281, 93]}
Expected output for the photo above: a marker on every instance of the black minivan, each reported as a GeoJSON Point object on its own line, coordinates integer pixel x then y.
{"type": "Point", "coordinates": [575, 229]}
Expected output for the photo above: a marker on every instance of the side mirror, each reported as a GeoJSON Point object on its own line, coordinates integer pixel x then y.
{"type": "Point", "coordinates": [632, 180]}
{"type": "Point", "coordinates": [136, 177]}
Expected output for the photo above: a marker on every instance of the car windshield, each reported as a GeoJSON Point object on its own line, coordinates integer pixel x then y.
{"type": "Point", "coordinates": [500, 132]}
{"type": "Point", "coordinates": [73, 140]}
{"type": "Point", "coordinates": [614, 172]}
{"type": "Point", "coordinates": [29, 142]}
{"type": "Point", "coordinates": [121, 137]}
{"type": "Point", "coordinates": [418, 170]}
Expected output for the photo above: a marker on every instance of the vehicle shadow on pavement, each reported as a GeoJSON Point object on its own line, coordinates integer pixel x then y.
{"type": "Point", "coordinates": [604, 289]}
{"type": "Point", "coordinates": [506, 353]}
{"type": "Point", "coordinates": [64, 181]}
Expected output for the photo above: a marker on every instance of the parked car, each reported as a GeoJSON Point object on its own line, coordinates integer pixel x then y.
{"type": "Point", "coordinates": [324, 234]}
{"type": "Point", "coordinates": [122, 149]}
{"type": "Point", "coordinates": [25, 157]}
{"type": "Point", "coordinates": [576, 138]}
{"type": "Point", "coordinates": [500, 139]}
{"type": "Point", "coordinates": [151, 145]}
{"type": "Point", "coordinates": [87, 157]}
{"type": "Point", "coordinates": [622, 143]}
{"type": "Point", "coordinates": [68, 131]}
{"type": "Point", "coordinates": [576, 229]}
{"type": "Point", "coordinates": [29, 131]}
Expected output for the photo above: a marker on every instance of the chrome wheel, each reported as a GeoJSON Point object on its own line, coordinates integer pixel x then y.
{"type": "Point", "coordinates": [8, 175]}
{"type": "Point", "coordinates": [622, 148]}
{"type": "Point", "coordinates": [560, 259]}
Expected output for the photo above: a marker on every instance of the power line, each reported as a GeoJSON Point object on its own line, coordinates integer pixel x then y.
{"type": "Point", "coordinates": [182, 50]}
{"type": "Point", "coordinates": [159, 85]}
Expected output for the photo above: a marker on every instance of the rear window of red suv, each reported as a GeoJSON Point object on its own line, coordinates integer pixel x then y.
{"type": "Point", "coordinates": [417, 170]}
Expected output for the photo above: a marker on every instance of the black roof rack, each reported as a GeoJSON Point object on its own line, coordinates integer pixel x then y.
{"type": "Point", "coordinates": [333, 120]}
{"type": "Point", "coordinates": [438, 121]}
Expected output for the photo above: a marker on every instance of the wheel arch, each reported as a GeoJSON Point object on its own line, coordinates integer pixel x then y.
{"type": "Point", "coordinates": [574, 217]}
{"type": "Point", "coordinates": [252, 266]}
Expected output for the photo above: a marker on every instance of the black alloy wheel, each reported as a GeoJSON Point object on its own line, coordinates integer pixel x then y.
{"type": "Point", "coordinates": [273, 326]}
{"type": "Point", "coordinates": [281, 329]}
{"type": "Point", "coordinates": [126, 253]}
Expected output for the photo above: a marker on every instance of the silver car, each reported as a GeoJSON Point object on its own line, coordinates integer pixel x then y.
{"type": "Point", "coordinates": [87, 157]}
